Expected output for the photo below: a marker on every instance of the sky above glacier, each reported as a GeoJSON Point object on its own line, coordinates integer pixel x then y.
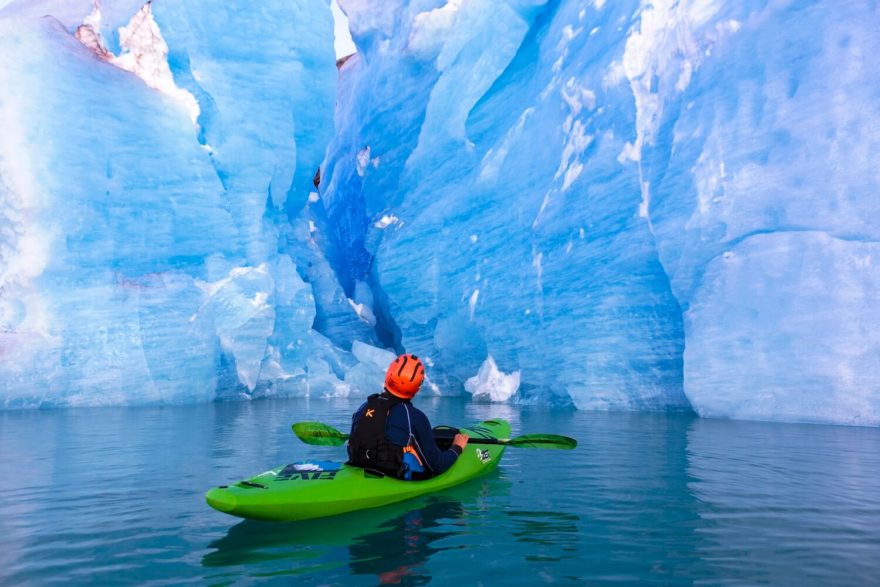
{"type": "Point", "coordinates": [342, 37]}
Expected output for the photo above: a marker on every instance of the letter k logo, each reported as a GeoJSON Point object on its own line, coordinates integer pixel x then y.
{"type": "Point", "coordinates": [369, 413]}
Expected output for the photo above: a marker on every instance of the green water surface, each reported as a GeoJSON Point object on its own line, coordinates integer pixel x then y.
{"type": "Point", "coordinates": [114, 496]}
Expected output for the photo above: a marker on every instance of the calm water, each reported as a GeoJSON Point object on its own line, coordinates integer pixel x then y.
{"type": "Point", "coordinates": [115, 496]}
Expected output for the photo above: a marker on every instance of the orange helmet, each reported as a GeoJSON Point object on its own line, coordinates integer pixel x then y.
{"type": "Point", "coordinates": [404, 376]}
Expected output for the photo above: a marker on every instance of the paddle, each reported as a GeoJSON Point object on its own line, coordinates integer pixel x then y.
{"type": "Point", "coordinates": [323, 435]}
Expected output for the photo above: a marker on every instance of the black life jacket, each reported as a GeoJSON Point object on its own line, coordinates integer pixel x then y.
{"type": "Point", "coordinates": [367, 446]}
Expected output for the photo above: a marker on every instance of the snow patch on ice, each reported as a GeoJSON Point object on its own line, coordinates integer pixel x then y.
{"type": "Point", "coordinates": [667, 45]}
{"type": "Point", "coordinates": [363, 159]}
{"type": "Point", "coordinates": [537, 258]}
{"type": "Point", "coordinates": [568, 33]}
{"type": "Point", "coordinates": [386, 221]}
{"type": "Point", "coordinates": [88, 33]}
{"type": "Point", "coordinates": [363, 312]}
{"type": "Point", "coordinates": [430, 29]}
{"type": "Point", "coordinates": [494, 158]}
{"type": "Point", "coordinates": [576, 140]}
{"type": "Point", "coordinates": [145, 53]}
{"type": "Point", "coordinates": [472, 302]}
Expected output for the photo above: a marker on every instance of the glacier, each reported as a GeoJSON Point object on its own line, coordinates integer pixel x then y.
{"type": "Point", "coordinates": [634, 205]}
{"type": "Point", "coordinates": [156, 175]}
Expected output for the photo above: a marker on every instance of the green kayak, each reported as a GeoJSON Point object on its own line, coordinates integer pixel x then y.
{"type": "Point", "coordinates": [315, 489]}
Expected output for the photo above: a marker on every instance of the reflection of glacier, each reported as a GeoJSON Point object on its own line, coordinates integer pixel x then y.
{"type": "Point", "coordinates": [821, 483]}
{"type": "Point", "coordinates": [609, 204]}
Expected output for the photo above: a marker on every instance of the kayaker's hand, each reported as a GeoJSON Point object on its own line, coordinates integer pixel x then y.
{"type": "Point", "coordinates": [460, 440]}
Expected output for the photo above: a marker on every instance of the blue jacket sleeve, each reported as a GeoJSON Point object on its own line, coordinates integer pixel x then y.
{"type": "Point", "coordinates": [435, 460]}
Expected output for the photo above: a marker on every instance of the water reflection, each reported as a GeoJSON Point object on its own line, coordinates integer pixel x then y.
{"type": "Point", "coordinates": [391, 544]}
{"type": "Point", "coordinates": [115, 496]}
{"type": "Point", "coordinates": [795, 503]}
{"type": "Point", "coordinates": [397, 552]}
{"type": "Point", "coordinates": [627, 482]}
{"type": "Point", "coordinates": [550, 536]}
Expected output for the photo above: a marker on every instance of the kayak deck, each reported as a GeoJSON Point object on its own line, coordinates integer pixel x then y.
{"type": "Point", "coordinates": [315, 489]}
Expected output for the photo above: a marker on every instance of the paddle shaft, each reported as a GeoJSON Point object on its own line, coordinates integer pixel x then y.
{"type": "Point", "coordinates": [471, 441]}
{"type": "Point", "coordinates": [324, 435]}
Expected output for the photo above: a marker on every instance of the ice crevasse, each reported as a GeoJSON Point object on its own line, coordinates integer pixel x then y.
{"type": "Point", "coordinates": [649, 205]}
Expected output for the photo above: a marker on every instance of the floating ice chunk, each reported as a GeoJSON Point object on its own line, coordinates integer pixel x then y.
{"type": "Point", "coordinates": [492, 384]}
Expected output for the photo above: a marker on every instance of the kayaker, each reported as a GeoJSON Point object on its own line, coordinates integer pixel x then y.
{"type": "Point", "coordinates": [390, 435]}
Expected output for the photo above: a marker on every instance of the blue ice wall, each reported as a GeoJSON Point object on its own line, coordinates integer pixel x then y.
{"type": "Point", "coordinates": [637, 205]}
{"type": "Point", "coordinates": [615, 205]}
{"type": "Point", "coordinates": [156, 165]}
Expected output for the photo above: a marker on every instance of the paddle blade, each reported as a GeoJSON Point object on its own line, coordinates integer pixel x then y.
{"type": "Point", "coordinates": [319, 434]}
{"type": "Point", "coordinates": [543, 441]}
